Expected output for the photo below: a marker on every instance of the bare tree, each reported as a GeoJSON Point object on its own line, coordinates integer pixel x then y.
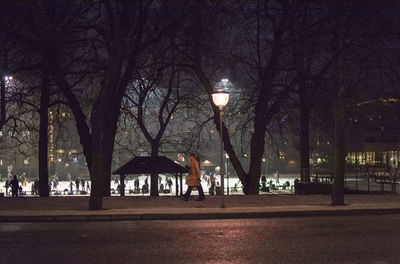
{"type": "Point", "coordinates": [262, 68]}
{"type": "Point", "coordinates": [122, 32]}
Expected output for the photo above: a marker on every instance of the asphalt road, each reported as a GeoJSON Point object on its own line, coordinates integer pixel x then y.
{"type": "Point", "coordinates": [349, 239]}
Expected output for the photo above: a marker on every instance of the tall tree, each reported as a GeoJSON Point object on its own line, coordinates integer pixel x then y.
{"type": "Point", "coordinates": [121, 33]}
{"type": "Point", "coordinates": [262, 65]}
{"type": "Point", "coordinates": [160, 98]}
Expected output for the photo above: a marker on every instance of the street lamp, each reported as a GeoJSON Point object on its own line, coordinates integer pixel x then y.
{"type": "Point", "coordinates": [220, 99]}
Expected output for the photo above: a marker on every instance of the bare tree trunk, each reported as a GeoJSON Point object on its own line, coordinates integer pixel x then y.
{"type": "Point", "coordinates": [339, 129]}
{"type": "Point", "coordinates": [43, 138]}
{"type": "Point", "coordinates": [340, 156]}
{"type": "Point", "coordinates": [251, 186]}
{"type": "Point", "coordinates": [104, 126]}
{"type": "Point", "coordinates": [100, 172]}
{"type": "Point", "coordinates": [154, 176]}
{"type": "Point", "coordinates": [108, 145]}
{"type": "Point", "coordinates": [97, 172]}
{"type": "Point", "coordinates": [304, 141]}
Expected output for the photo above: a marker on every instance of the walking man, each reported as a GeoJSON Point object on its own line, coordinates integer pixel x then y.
{"type": "Point", "coordinates": [14, 186]}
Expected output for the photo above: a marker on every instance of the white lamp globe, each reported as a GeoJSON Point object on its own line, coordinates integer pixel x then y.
{"type": "Point", "coordinates": [220, 98]}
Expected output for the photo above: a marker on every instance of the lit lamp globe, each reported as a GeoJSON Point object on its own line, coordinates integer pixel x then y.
{"type": "Point", "coordinates": [220, 98]}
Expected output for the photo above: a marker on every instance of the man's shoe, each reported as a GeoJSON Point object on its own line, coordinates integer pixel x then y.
{"type": "Point", "coordinates": [185, 198]}
{"type": "Point", "coordinates": [200, 199]}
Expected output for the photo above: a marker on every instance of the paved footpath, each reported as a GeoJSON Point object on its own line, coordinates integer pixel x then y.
{"type": "Point", "coordinates": [35, 209]}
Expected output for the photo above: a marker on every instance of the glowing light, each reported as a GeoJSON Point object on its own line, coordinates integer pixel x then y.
{"type": "Point", "coordinates": [220, 98]}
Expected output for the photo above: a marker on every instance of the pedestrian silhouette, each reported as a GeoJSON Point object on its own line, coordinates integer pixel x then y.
{"type": "Point", "coordinates": [7, 185]}
{"type": "Point", "coordinates": [77, 181]}
{"type": "Point", "coordinates": [14, 186]}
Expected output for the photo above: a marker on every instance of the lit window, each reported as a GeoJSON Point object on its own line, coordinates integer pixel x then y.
{"type": "Point", "coordinates": [282, 155]}
{"type": "Point", "coordinates": [26, 161]}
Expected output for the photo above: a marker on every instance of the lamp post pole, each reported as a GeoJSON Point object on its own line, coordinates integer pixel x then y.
{"type": "Point", "coordinates": [222, 157]}
{"type": "Point", "coordinates": [227, 173]}
{"type": "Point", "coordinates": [220, 99]}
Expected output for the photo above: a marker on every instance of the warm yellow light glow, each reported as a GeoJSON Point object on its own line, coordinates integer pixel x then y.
{"type": "Point", "coordinates": [207, 163]}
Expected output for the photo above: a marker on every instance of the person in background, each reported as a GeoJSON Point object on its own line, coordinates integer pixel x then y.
{"type": "Point", "coordinates": [14, 186]}
{"type": "Point", "coordinates": [71, 186]}
{"type": "Point", "coordinates": [136, 184]}
{"type": "Point", "coordinates": [36, 186]}
{"type": "Point", "coordinates": [77, 181]}
{"type": "Point", "coordinates": [83, 184]}
{"type": "Point", "coordinates": [7, 185]}
{"type": "Point", "coordinates": [193, 179]}
{"type": "Point", "coordinates": [169, 183]}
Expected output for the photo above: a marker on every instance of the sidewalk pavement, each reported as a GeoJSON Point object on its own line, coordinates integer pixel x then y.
{"type": "Point", "coordinates": [53, 209]}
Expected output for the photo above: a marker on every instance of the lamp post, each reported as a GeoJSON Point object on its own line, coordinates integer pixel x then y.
{"type": "Point", "coordinates": [220, 99]}
{"type": "Point", "coordinates": [227, 174]}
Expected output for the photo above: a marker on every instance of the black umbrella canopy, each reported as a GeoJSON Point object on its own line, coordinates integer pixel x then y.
{"type": "Point", "coordinates": [148, 165]}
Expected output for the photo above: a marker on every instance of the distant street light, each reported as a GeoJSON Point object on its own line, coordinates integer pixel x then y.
{"type": "Point", "coordinates": [220, 99]}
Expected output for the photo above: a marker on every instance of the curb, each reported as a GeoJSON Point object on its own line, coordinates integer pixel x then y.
{"type": "Point", "coordinates": [194, 216]}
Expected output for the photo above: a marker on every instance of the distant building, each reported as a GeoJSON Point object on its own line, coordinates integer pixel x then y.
{"type": "Point", "coordinates": [374, 135]}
